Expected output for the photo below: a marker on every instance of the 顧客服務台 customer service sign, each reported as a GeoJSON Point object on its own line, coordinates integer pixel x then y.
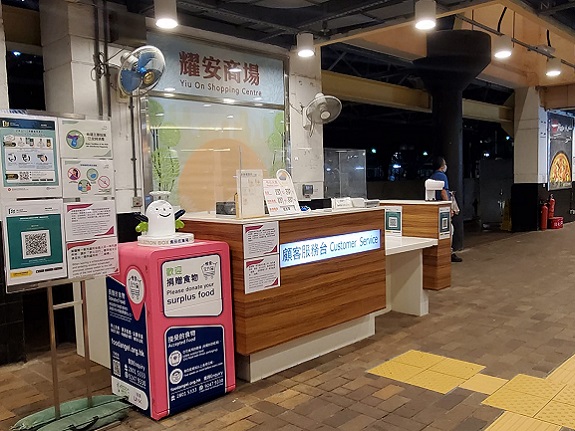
{"type": "Point", "coordinates": [313, 250]}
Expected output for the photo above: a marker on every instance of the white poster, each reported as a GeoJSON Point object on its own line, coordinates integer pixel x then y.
{"type": "Point", "coordinates": [92, 258]}
{"type": "Point", "coordinates": [29, 157]}
{"type": "Point", "coordinates": [90, 220]}
{"type": "Point", "coordinates": [192, 287]}
{"type": "Point", "coordinates": [251, 192]}
{"type": "Point", "coordinates": [85, 139]}
{"type": "Point", "coordinates": [33, 241]}
{"type": "Point", "coordinates": [261, 273]}
{"type": "Point", "coordinates": [87, 178]}
{"type": "Point", "coordinates": [280, 201]}
{"type": "Point", "coordinates": [260, 239]}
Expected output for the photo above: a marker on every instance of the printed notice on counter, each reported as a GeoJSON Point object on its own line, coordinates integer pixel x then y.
{"type": "Point", "coordinates": [196, 365]}
{"type": "Point", "coordinates": [90, 220]}
{"type": "Point", "coordinates": [85, 138]}
{"type": "Point", "coordinates": [33, 241]}
{"type": "Point", "coordinates": [250, 192]}
{"type": "Point", "coordinates": [92, 258]}
{"type": "Point", "coordinates": [192, 287]}
{"type": "Point", "coordinates": [87, 178]}
{"type": "Point", "coordinates": [261, 273]}
{"type": "Point", "coordinates": [392, 221]}
{"type": "Point", "coordinates": [279, 199]}
{"type": "Point", "coordinates": [29, 159]}
{"type": "Point", "coordinates": [128, 347]}
{"type": "Point", "coordinates": [261, 239]}
{"type": "Point", "coordinates": [444, 222]}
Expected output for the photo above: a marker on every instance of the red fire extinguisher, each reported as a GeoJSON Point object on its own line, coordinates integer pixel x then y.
{"type": "Point", "coordinates": [544, 216]}
{"type": "Point", "coordinates": [551, 206]}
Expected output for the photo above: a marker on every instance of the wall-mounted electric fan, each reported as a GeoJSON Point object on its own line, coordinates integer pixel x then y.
{"type": "Point", "coordinates": [141, 70]}
{"type": "Point", "coordinates": [321, 110]}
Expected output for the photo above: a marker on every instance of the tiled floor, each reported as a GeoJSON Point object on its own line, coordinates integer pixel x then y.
{"type": "Point", "coordinates": [511, 309]}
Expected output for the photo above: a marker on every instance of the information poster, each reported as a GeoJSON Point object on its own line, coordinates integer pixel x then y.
{"type": "Point", "coordinates": [560, 151]}
{"type": "Point", "coordinates": [250, 192]}
{"type": "Point", "coordinates": [196, 365]}
{"type": "Point", "coordinates": [444, 222]}
{"type": "Point", "coordinates": [92, 258]}
{"type": "Point", "coordinates": [85, 139]}
{"type": "Point", "coordinates": [261, 273]}
{"type": "Point", "coordinates": [280, 200]}
{"type": "Point", "coordinates": [33, 241]}
{"type": "Point", "coordinates": [192, 287]}
{"type": "Point", "coordinates": [29, 157]}
{"type": "Point", "coordinates": [393, 221]}
{"type": "Point", "coordinates": [90, 220]}
{"type": "Point", "coordinates": [87, 178]}
{"type": "Point", "coordinates": [260, 239]}
{"type": "Point", "coordinates": [128, 347]}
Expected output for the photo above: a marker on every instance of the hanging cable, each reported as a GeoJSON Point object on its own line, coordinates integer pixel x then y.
{"type": "Point", "coordinates": [548, 39]}
{"type": "Point", "coordinates": [501, 19]}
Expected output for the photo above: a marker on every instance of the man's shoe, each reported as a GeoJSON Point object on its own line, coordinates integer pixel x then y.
{"type": "Point", "coordinates": [455, 258]}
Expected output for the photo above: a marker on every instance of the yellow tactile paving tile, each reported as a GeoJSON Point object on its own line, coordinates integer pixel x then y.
{"type": "Point", "coordinates": [509, 421]}
{"type": "Point", "coordinates": [419, 359]}
{"type": "Point", "coordinates": [437, 382]}
{"type": "Point", "coordinates": [558, 413]}
{"type": "Point", "coordinates": [566, 396]}
{"type": "Point", "coordinates": [456, 368]}
{"type": "Point", "coordinates": [396, 371]}
{"type": "Point", "coordinates": [541, 388]}
{"type": "Point", "coordinates": [516, 402]}
{"type": "Point", "coordinates": [563, 375]}
{"type": "Point", "coordinates": [483, 384]}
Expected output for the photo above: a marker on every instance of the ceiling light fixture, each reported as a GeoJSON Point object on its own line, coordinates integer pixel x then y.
{"type": "Point", "coordinates": [305, 48]}
{"type": "Point", "coordinates": [166, 13]}
{"type": "Point", "coordinates": [502, 46]}
{"type": "Point", "coordinates": [425, 14]}
{"type": "Point", "coordinates": [553, 63]}
{"type": "Point", "coordinates": [553, 67]}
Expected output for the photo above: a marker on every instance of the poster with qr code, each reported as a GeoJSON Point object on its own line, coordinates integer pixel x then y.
{"type": "Point", "coordinates": [393, 221]}
{"type": "Point", "coordinates": [29, 157]}
{"type": "Point", "coordinates": [33, 241]}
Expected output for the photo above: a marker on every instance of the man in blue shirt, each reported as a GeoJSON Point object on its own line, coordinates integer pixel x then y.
{"type": "Point", "coordinates": [440, 168]}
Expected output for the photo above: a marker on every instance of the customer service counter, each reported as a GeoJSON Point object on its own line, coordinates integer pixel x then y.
{"type": "Point", "coordinates": [318, 306]}
{"type": "Point", "coordinates": [421, 219]}
{"type": "Point", "coordinates": [321, 304]}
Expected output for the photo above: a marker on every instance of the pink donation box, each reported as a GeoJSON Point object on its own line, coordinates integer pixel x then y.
{"type": "Point", "coordinates": [170, 322]}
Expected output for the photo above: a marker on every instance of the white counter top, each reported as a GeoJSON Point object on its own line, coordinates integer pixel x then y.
{"type": "Point", "coordinates": [211, 217]}
{"type": "Point", "coordinates": [412, 202]}
{"type": "Point", "coordinates": [400, 244]}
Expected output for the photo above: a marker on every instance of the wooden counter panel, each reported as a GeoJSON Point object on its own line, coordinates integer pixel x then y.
{"type": "Point", "coordinates": [313, 297]}
{"type": "Point", "coordinates": [437, 266]}
{"type": "Point", "coordinates": [420, 220]}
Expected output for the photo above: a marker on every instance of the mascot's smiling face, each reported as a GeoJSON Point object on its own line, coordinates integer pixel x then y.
{"type": "Point", "coordinates": [161, 220]}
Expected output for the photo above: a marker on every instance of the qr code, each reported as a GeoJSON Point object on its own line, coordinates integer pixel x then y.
{"type": "Point", "coordinates": [24, 176]}
{"type": "Point", "coordinates": [444, 224]}
{"type": "Point", "coordinates": [36, 244]}
{"type": "Point", "coordinates": [393, 222]}
{"type": "Point", "coordinates": [116, 368]}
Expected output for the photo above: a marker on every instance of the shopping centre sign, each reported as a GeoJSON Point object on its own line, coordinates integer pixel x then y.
{"type": "Point", "coordinates": [199, 69]}
{"type": "Point", "coordinates": [314, 250]}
